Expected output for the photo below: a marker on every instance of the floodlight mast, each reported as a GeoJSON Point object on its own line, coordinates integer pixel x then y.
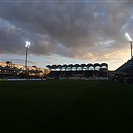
{"type": "Point", "coordinates": [130, 41]}
{"type": "Point", "coordinates": [27, 45]}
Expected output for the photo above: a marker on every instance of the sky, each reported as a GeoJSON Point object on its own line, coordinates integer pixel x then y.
{"type": "Point", "coordinates": [66, 32]}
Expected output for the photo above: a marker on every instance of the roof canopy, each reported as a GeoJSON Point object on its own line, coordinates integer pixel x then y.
{"type": "Point", "coordinates": [77, 65]}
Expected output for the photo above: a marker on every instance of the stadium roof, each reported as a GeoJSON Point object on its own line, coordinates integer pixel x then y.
{"type": "Point", "coordinates": [77, 65]}
{"type": "Point", "coordinates": [127, 67]}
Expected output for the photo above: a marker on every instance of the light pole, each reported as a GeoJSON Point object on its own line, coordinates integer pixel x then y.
{"type": "Point", "coordinates": [27, 45]}
{"type": "Point", "coordinates": [130, 41]}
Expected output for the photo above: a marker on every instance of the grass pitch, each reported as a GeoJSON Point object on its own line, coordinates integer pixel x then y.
{"type": "Point", "coordinates": [65, 106]}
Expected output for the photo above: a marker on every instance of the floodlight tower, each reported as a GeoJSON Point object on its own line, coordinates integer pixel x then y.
{"type": "Point", "coordinates": [130, 41]}
{"type": "Point", "coordinates": [27, 45]}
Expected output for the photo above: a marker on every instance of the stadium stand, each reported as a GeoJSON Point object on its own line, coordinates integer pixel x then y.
{"type": "Point", "coordinates": [125, 72]}
{"type": "Point", "coordinates": [77, 71]}
{"type": "Point", "coordinates": [126, 67]}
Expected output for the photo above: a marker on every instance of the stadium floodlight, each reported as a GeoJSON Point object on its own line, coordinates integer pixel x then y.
{"type": "Point", "coordinates": [130, 40]}
{"type": "Point", "coordinates": [27, 45]}
{"type": "Point", "coordinates": [128, 37]}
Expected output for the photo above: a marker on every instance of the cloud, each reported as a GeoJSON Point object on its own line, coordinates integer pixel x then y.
{"type": "Point", "coordinates": [70, 29]}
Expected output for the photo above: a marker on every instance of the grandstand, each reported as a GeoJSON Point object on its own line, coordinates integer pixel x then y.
{"type": "Point", "coordinates": [126, 68]}
{"type": "Point", "coordinates": [77, 71]}
{"type": "Point", "coordinates": [125, 71]}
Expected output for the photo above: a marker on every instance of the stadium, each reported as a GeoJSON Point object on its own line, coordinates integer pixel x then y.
{"type": "Point", "coordinates": [66, 98]}
{"type": "Point", "coordinates": [65, 66]}
{"type": "Point", "coordinates": [97, 71]}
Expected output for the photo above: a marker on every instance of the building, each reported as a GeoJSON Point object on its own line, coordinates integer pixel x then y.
{"type": "Point", "coordinates": [11, 70]}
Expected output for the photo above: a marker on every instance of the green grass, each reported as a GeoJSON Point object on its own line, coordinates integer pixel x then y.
{"type": "Point", "coordinates": [65, 106]}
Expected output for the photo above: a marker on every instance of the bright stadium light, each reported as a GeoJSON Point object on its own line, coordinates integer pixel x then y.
{"type": "Point", "coordinates": [130, 41]}
{"type": "Point", "coordinates": [128, 37]}
{"type": "Point", "coordinates": [27, 45]}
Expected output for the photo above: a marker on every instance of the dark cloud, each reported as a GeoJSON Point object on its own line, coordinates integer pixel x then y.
{"type": "Point", "coordinates": [70, 29]}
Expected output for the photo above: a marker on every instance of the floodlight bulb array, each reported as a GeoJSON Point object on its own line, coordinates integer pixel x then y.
{"type": "Point", "coordinates": [128, 37]}
{"type": "Point", "coordinates": [27, 45]}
